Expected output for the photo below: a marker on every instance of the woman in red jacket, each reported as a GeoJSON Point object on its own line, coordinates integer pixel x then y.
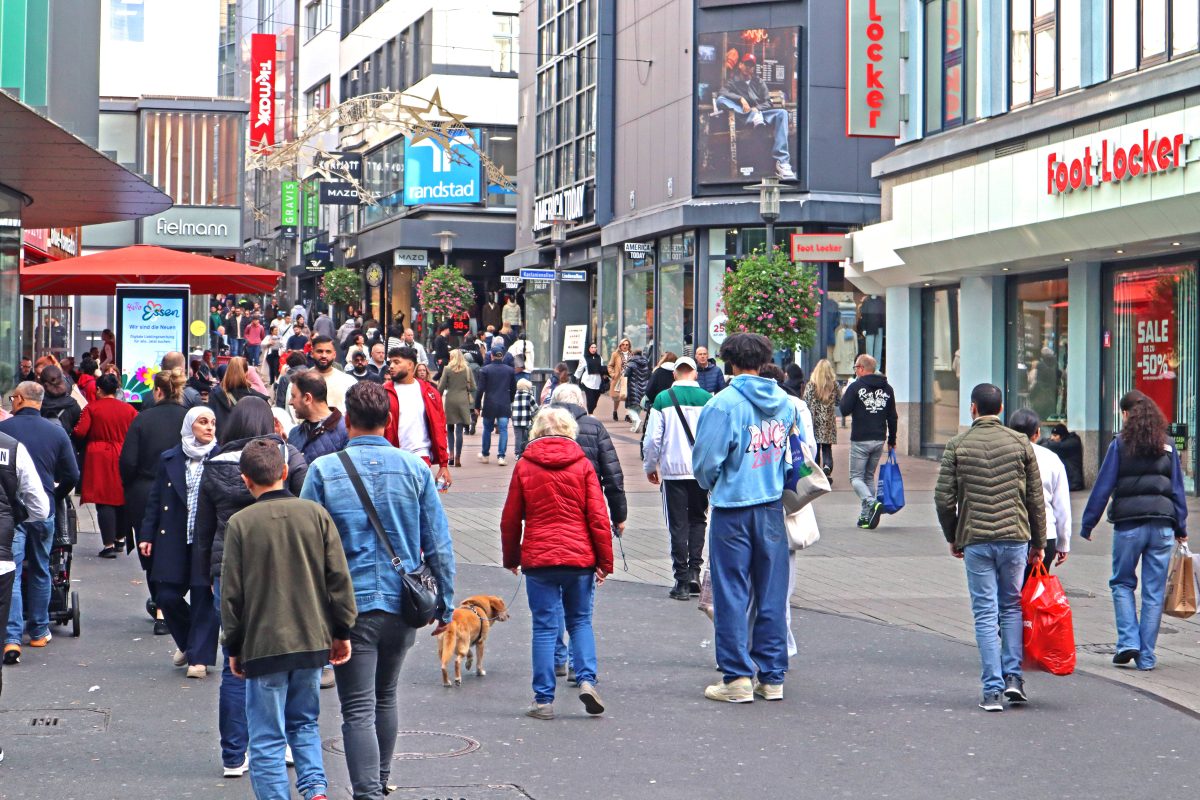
{"type": "Point", "coordinates": [564, 548]}
{"type": "Point", "coordinates": [103, 426]}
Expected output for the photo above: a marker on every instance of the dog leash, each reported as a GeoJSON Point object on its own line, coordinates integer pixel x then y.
{"type": "Point", "coordinates": [621, 547]}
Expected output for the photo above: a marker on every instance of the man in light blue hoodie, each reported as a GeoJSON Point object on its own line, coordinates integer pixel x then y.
{"type": "Point", "coordinates": [742, 458]}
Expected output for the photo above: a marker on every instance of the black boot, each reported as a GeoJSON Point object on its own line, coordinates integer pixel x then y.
{"type": "Point", "coordinates": [694, 584]}
{"type": "Point", "coordinates": [614, 415]}
{"type": "Point", "coordinates": [680, 592]}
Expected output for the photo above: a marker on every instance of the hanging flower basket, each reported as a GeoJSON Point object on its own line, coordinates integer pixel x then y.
{"type": "Point", "coordinates": [770, 294]}
{"type": "Point", "coordinates": [444, 292]}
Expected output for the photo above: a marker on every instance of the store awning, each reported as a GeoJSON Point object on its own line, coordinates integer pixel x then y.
{"type": "Point", "coordinates": [100, 273]}
{"type": "Point", "coordinates": [68, 183]}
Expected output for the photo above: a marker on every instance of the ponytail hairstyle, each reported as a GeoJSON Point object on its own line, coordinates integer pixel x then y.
{"type": "Point", "coordinates": [170, 382]}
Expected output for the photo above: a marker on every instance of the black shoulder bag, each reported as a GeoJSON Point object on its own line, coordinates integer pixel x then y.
{"type": "Point", "coordinates": [687, 429]}
{"type": "Point", "coordinates": [419, 588]}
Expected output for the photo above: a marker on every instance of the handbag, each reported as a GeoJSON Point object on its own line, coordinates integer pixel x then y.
{"type": "Point", "coordinates": [1180, 598]}
{"type": "Point", "coordinates": [419, 603]}
{"type": "Point", "coordinates": [812, 484]}
{"type": "Point", "coordinates": [891, 485]}
{"type": "Point", "coordinates": [802, 528]}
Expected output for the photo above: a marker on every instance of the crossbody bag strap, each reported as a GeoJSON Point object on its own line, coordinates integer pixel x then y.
{"type": "Point", "coordinates": [687, 429]}
{"type": "Point", "coordinates": [369, 507]}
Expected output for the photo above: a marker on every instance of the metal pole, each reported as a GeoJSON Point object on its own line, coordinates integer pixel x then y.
{"type": "Point", "coordinates": [554, 301]}
{"type": "Point", "coordinates": [770, 235]}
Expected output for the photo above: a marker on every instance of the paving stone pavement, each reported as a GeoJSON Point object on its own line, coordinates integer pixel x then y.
{"type": "Point", "coordinates": [900, 574]}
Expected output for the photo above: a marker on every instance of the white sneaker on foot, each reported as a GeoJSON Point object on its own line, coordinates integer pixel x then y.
{"type": "Point", "coordinates": [500, 461]}
{"type": "Point", "coordinates": [197, 671]}
{"type": "Point", "coordinates": [769, 691]}
{"type": "Point", "coordinates": [240, 770]}
{"type": "Point", "coordinates": [179, 659]}
{"type": "Point", "coordinates": [739, 690]}
{"type": "Point", "coordinates": [482, 458]}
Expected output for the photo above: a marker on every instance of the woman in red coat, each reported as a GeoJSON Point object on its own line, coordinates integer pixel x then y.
{"type": "Point", "coordinates": [555, 527]}
{"type": "Point", "coordinates": [103, 426]}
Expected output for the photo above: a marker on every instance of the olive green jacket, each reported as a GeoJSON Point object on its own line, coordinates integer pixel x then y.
{"type": "Point", "coordinates": [989, 488]}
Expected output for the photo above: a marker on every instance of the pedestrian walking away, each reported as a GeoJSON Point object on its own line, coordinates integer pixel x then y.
{"type": "Point", "coordinates": [235, 387]}
{"type": "Point", "coordinates": [494, 399]}
{"type": "Point", "coordinates": [103, 425]}
{"type": "Point", "coordinates": [405, 501]}
{"type": "Point", "coordinates": [417, 421]}
{"type": "Point", "coordinates": [741, 459]}
{"type": "Point", "coordinates": [457, 384]}
{"type": "Point", "coordinates": [49, 449]}
{"type": "Point", "coordinates": [990, 507]}
{"type": "Point", "coordinates": [667, 461]}
{"type": "Point", "coordinates": [166, 542]}
{"type": "Point", "coordinates": [555, 529]}
{"type": "Point", "coordinates": [284, 624]}
{"type": "Point", "coordinates": [1055, 490]}
{"type": "Point", "coordinates": [1143, 477]}
{"type": "Point", "coordinates": [823, 395]}
{"type": "Point", "coordinates": [524, 407]}
{"type": "Point", "coordinates": [870, 403]}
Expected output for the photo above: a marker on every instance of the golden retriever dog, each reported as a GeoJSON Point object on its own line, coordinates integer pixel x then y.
{"type": "Point", "coordinates": [469, 627]}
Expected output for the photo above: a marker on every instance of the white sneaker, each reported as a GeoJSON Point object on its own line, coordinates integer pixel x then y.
{"type": "Point", "coordinates": [500, 461]}
{"type": "Point", "coordinates": [756, 118]}
{"type": "Point", "coordinates": [769, 691]}
{"type": "Point", "coordinates": [740, 690]}
{"type": "Point", "coordinates": [482, 458]}
{"type": "Point", "coordinates": [238, 771]}
{"type": "Point", "coordinates": [197, 671]}
{"type": "Point", "coordinates": [784, 171]}
{"type": "Point", "coordinates": [179, 659]}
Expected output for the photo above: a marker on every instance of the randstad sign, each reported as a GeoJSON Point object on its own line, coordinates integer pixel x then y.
{"type": "Point", "coordinates": [434, 176]}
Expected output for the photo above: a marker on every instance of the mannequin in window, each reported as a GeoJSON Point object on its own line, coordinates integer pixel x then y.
{"type": "Point", "coordinates": [511, 314]}
{"type": "Point", "coordinates": [871, 321]}
{"type": "Point", "coordinates": [490, 315]}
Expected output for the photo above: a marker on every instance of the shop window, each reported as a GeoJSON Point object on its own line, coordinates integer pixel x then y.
{"type": "Point", "coordinates": [951, 68]}
{"type": "Point", "coordinates": [1143, 33]}
{"type": "Point", "coordinates": [608, 324]}
{"type": "Point", "coordinates": [676, 284]}
{"type": "Point", "coordinates": [1150, 345]}
{"type": "Point", "coordinates": [637, 322]}
{"type": "Point", "coordinates": [1038, 347]}
{"type": "Point", "coordinates": [939, 368]}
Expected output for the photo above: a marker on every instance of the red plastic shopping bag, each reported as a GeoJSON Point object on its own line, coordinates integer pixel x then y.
{"type": "Point", "coordinates": [1049, 633]}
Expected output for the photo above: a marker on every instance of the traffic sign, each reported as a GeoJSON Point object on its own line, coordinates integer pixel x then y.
{"type": "Point", "coordinates": [572, 275]}
{"type": "Point", "coordinates": [537, 274]}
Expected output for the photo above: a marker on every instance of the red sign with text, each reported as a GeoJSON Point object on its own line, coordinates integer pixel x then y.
{"type": "Point", "coordinates": [1114, 162]}
{"type": "Point", "coordinates": [1155, 359]}
{"type": "Point", "coordinates": [262, 92]}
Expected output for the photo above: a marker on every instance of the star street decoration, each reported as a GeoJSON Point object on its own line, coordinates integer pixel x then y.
{"type": "Point", "coordinates": [400, 112]}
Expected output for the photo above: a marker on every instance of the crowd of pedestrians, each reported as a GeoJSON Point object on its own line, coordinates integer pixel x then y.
{"type": "Point", "coordinates": [329, 468]}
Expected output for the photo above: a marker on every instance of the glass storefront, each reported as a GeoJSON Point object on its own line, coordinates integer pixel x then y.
{"type": "Point", "coordinates": [637, 320]}
{"type": "Point", "coordinates": [677, 269]}
{"type": "Point", "coordinates": [10, 290]}
{"type": "Point", "coordinates": [1037, 347]}
{"type": "Point", "coordinates": [537, 319]}
{"type": "Point", "coordinates": [939, 368]}
{"type": "Point", "coordinates": [1150, 345]}
{"type": "Point", "coordinates": [607, 323]}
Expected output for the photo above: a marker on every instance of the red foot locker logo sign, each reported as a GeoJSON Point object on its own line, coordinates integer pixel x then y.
{"type": "Point", "coordinates": [873, 68]}
{"type": "Point", "coordinates": [1113, 161]}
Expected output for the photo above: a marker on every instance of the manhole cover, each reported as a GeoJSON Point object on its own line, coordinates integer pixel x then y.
{"type": "Point", "coordinates": [413, 745]}
{"type": "Point", "coordinates": [52, 721]}
{"type": "Point", "coordinates": [475, 792]}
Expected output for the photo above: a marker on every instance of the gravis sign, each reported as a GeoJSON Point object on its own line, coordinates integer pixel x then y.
{"type": "Point", "coordinates": [1113, 162]}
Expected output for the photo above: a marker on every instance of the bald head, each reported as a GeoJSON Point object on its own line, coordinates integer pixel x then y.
{"type": "Point", "coordinates": [173, 360]}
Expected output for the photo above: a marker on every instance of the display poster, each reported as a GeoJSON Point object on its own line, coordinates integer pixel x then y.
{"type": "Point", "coordinates": [151, 322]}
{"type": "Point", "coordinates": [747, 100]}
{"type": "Point", "coordinates": [1155, 358]}
{"type": "Point", "coordinates": [574, 342]}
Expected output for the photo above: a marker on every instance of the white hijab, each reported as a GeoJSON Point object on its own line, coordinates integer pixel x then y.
{"type": "Point", "coordinates": [192, 448]}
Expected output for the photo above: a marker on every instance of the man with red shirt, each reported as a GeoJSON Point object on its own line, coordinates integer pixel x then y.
{"type": "Point", "coordinates": [416, 418]}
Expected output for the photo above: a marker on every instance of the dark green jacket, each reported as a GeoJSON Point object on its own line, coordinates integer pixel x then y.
{"type": "Point", "coordinates": [285, 587]}
{"type": "Point", "coordinates": [989, 488]}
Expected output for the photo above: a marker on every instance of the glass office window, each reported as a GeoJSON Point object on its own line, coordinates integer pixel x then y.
{"type": "Point", "coordinates": [939, 367]}
{"type": "Point", "coordinates": [1147, 32]}
{"type": "Point", "coordinates": [637, 323]}
{"type": "Point", "coordinates": [1020, 56]}
{"type": "Point", "coordinates": [10, 291]}
{"type": "Point", "coordinates": [1185, 26]}
{"type": "Point", "coordinates": [608, 325]}
{"type": "Point", "coordinates": [1038, 347]}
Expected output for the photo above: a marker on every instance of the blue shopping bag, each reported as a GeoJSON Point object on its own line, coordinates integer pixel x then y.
{"type": "Point", "coordinates": [891, 485]}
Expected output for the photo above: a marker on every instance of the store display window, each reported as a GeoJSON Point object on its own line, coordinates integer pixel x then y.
{"type": "Point", "coordinates": [1037, 347]}
{"type": "Point", "coordinates": [940, 368]}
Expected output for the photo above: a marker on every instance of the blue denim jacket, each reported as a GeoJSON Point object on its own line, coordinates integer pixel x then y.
{"type": "Point", "coordinates": [404, 495]}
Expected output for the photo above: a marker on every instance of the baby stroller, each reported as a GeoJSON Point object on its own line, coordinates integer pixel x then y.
{"type": "Point", "coordinates": [64, 602]}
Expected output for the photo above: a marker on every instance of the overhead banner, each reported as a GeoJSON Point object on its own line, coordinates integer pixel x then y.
{"type": "Point", "coordinates": [433, 175]}
{"type": "Point", "coordinates": [152, 322]}
{"type": "Point", "coordinates": [289, 206]}
{"type": "Point", "coordinates": [873, 68]}
{"type": "Point", "coordinates": [747, 105]}
{"type": "Point", "coordinates": [262, 92]}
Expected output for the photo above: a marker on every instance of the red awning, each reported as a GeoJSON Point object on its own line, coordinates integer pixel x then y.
{"type": "Point", "coordinates": [100, 273]}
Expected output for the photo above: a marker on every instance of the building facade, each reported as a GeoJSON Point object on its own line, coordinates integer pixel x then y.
{"type": "Point", "coordinates": [635, 136]}
{"type": "Point", "coordinates": [1039, 225]}
{"type": "Point", "coordinates": [450, 58]}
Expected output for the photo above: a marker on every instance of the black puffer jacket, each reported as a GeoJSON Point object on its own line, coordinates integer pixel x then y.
{"type": "Point", "coordinates": [222, 494]}
{"type": "Point", "coordinates": [64, 409]}
{"type": "Point", "coordinates": [597, 445]}
{"type": "Point", "coordinates": [637, 374]}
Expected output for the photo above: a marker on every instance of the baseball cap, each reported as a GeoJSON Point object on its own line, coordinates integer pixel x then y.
{"type": "Point", "coordinates": [685, 361]}
{"type": "Point", "coordinates": [498, 350]}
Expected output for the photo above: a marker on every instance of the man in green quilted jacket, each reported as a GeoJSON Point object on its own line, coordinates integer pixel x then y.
{"type": "Point", "coordinates": [989, 503]}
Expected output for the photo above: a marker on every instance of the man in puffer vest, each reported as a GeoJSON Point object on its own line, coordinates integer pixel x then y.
{"type": "Point", "coordinates": [990, 506]}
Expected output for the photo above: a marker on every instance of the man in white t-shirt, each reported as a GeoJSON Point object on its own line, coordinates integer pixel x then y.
{"type": "Point", "coordinates": [417, 420]}
{"type": "Point", "coordinates": [337, 382]}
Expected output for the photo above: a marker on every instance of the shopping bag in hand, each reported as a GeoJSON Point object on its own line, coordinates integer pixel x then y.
{"type": "Point", "coordinates": [891, 485]}
{"type": "Point", "coordinates": [1049, 634]}
{"type": "Point", "coordinates": [1181, 585]}
{"type": "Point", "coordinates": [706, 594]}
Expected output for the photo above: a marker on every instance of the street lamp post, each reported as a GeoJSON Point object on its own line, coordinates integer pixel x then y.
{"type": "Point", "coordinates": [446, 240]}
{"type": "Point", "coordinates": [558, 237]}
{"type": "Point", "coordinates": [768, 205]}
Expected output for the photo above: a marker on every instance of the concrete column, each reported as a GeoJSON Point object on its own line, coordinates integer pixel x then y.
{"type": "Point", "coordinates": [1085, 336]}
{"type": "Point", "coordinates": [981, 338]}
{"type": "Point", "coordinates": [903, 363]}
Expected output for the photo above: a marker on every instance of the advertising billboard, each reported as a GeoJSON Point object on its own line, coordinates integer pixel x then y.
{"type": "Point", "coordinates": [262, 93]}
{"type": "Point", "coordinates": [151, 322]}
{"type": "Point", "coordinates": [873, 67]}
{"type": "Point", "coordinates": [434, 176]}
{"type": "Point", "coordinates": [748, 105]}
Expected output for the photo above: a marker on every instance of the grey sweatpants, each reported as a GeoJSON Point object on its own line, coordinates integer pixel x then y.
{"type": "Point", "coordinates": [864, 466]}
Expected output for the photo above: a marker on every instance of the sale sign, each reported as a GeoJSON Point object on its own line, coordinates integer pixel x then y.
{"type": "Point", "coordinates": [1155, 359]}
{"type": "Point", "coordinates": [262, 92]}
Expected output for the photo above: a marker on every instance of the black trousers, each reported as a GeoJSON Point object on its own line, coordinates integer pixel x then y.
{"type": "Point", "coordinates": [112, 523]}
{"type": "Point", "coordinates": [272, 367]}
{"type": "Point", "coordinates": [593, 397]}
{"type": "Point", "coordinates": [1047, 558]}
{"type": "Point", "coordinates": [6, 589]}
{"type": "Point", "coordinates": [825, 456]}
{"type": "Point", "coordinates": [687, 514]}
{"type": "Point", "coordinates": [194, 627]}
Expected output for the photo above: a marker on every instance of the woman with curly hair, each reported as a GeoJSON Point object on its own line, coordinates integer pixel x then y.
{"type": "Point", "coordinates": [1142, 475]}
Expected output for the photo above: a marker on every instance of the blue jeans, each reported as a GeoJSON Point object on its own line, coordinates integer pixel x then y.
{"type": "Point", "coordinates": [282, 709]}
{"type": "Point", "coordinates": [748, 556]}
{"type": "Point", "coordinates": [552, 594]}
{"type": "Point", "coordinates": [1151, 543]}
{"type": "Point", "coordinates": [252, 353]}
{"type": "Point", "coordinates": [231, 708]}
{"type": "Point", "coordinates": [777, 118]}
{"type": "Point", "coordinates": [235, 346]}
{"type": "Point", "coordinates": [501, 424]}
{"type": "Point", "coordinates": [995, 572]}
{"type": "Point", "coordinates": [31, 552]}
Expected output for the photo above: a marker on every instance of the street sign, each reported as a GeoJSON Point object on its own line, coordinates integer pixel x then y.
{"type": "Point", "coordinates": [510, 280]}
{"type": "Point", "coordinates": [572, 275]}
{"type": "Point", "coordinates": [537, 274]}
